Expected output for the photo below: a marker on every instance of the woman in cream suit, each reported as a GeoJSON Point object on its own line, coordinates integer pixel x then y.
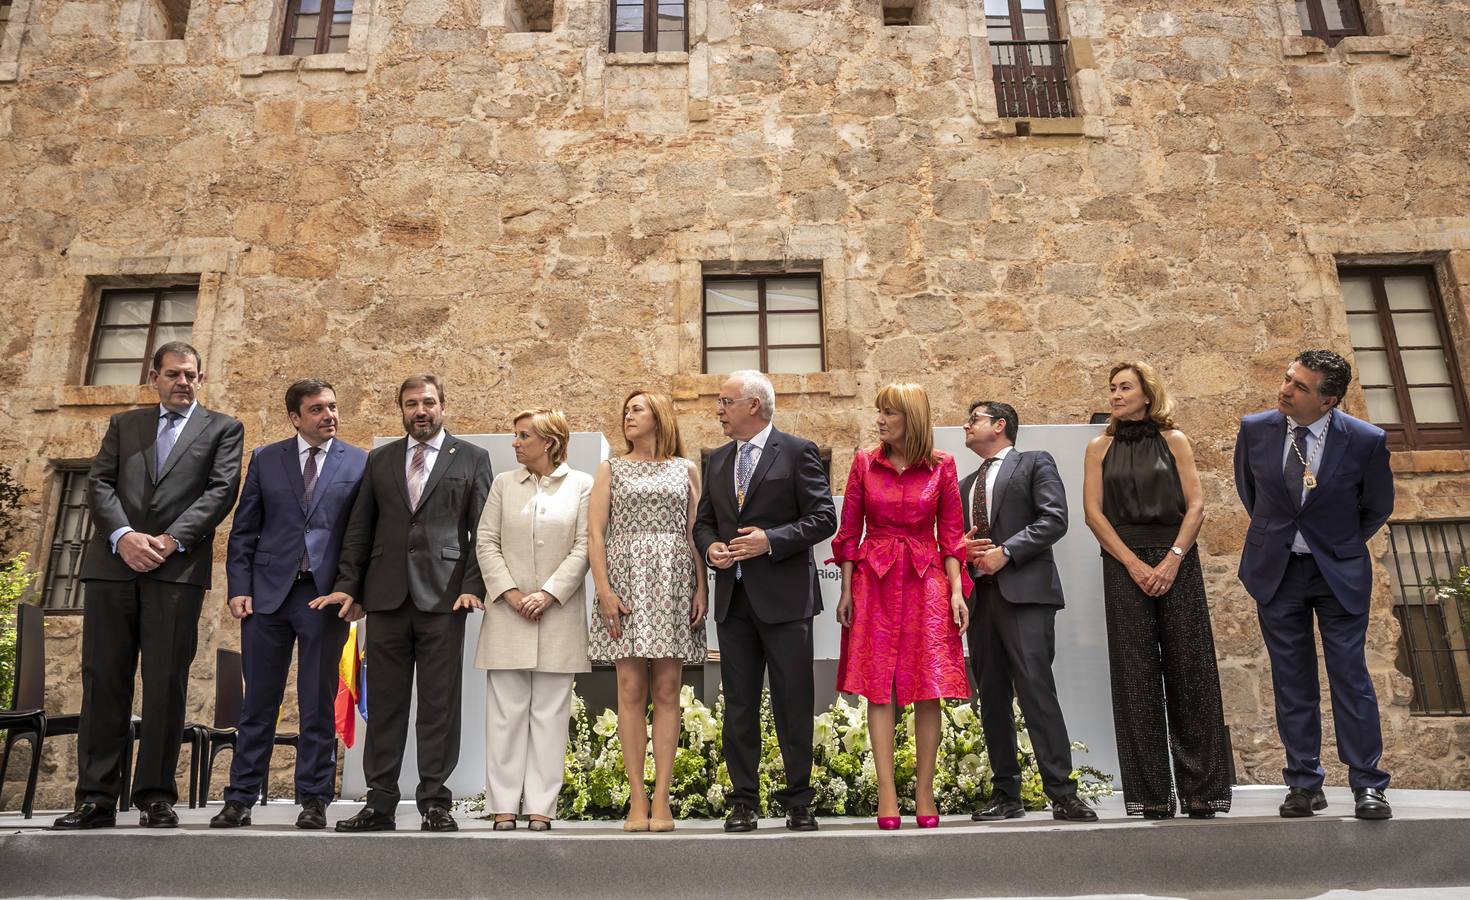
{"type": "Point", "coordinates": [532, 549]}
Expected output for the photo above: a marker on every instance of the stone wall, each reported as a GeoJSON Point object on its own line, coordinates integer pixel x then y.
{"type": "Point", "coordinates": [531, 216]}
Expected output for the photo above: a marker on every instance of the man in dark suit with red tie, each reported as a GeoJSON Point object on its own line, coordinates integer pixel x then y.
{"type": "Point", "coordinates": [163, 480]}
{"type": "Point", "coordinates": [1015, 511]}
{"type": "Point", "coordinates": [283, 549]}
{"type": "Point", "coordinates": [1317, 485]}
{"type": "Point", "coordinates": [409, 560]}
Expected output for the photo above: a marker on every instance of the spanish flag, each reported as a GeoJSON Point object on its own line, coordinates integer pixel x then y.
{"type": "Point", "coordinates": [349, 687]}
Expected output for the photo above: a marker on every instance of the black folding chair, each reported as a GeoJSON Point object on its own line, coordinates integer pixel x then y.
{"type": "Point", "coordinates": [26, 717]}
{"type": "Point", "coordinates": [212, 740]}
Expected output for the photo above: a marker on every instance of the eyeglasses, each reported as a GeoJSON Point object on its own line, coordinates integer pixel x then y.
{"type": "Point", "coordinates": [976, 417]}
{"type": "Point", "coordinates": [726, 402]}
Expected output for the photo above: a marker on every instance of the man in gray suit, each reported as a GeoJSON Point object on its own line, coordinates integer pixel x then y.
{"type": "Point", "coordinates": [163, 480]}
{"type": "Point", "coordinates": [1015, 510]}
{"type": "Point", "coordinates": [408, 559]}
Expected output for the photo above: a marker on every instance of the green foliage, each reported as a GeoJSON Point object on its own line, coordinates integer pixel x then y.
{"type": "Point", "coordinates": [1457, 591]}
{"type": "Point", "coordinates": [14, 582]}
{"type": "Point", "coordinates": [842, 766]}
{"type": "Point", "coordinates": [10, 494]}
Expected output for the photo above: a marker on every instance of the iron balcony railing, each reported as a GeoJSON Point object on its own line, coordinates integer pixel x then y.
{"type": "Point", "coordinates": [1031, 79]}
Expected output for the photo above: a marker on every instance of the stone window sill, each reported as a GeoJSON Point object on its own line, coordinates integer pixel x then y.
{"type": "Point", "coordinates": [157, 53]}
{"type": "Point", "coordinates": [98, 395]}
{"type": "Point", "coordinates": [9, 71]}
{"type": "Point", "coordinates": [1074, 126]}
{"type": "Point", "coordinates": [1430, 461]}
{"type": "Point", "coordinates": [1299, 46]}
{"type": "Point", "coordinates": [665, 58]}
{"type": "Point", "coordinates": [835, 383]}
{"type": "Point", "coordinates": [256, 66]}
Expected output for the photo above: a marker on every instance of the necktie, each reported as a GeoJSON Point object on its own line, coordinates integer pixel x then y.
{"type": "Point", "coordinates": [1296, 466]}
{"type": "Point", "coordinates": [165, 443]}
{"type": "Point", "coordinates": [744, 466]}
{"type": "Point", "coordinates": [743, 469]}
{"type": "Point", "coordinates": [308, 475]}
{"type": "Point", "coordinates": [979, 516]}
{"type": "Point", "coordinates": [417, 471]}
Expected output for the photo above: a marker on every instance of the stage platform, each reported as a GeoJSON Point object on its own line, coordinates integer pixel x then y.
{"type": "Point", "coordinates": [1249, 853]}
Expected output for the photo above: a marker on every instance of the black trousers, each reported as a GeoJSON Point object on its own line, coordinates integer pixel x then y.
{"type": "Point", "coordinates": [1011, 650]}
{"type": "Point", "coordinates": [121, 622]}
{"type": "Point", "coordinates": [749, 650]}
{"type": "Point", "coordinates": [266, 640]}
{"type": "Point", "coordinates": [398, 642]}
{"type": "Point", "coordinates": [1166, 690]}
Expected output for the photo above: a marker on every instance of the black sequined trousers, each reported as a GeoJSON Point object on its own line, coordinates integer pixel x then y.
{"type": "Point", "coordinates": [1166, 690]}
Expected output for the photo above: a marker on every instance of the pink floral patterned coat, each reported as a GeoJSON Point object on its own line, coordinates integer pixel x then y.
{"type": "Point", "coordinates": [903, 639]}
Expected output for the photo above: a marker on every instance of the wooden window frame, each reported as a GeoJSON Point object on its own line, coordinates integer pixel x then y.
{"type": "Point", "coordinates": [1018, 21]}
{"type": "Point", "coordinates": [761, 317]}
{"type": "Point", "coordinates": [1409, 434]}
{"type": "Point", "coordinates": [148, 347]}
{"type": "Point", "coordinates": [323, 27]}
{"type": "Point", "coordinates": [650, 26]}
{"type": "Point", "coordinates": [5, 7]}
{"type": "Point", "coordinates": [1316, 24]}
{"type": "Point", "coordinates": [1023, 87]}
{"type": "Point", "coordinates": [62, 543]}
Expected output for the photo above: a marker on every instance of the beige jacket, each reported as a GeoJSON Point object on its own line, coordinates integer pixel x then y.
{"type": "Point", "coordinates": [533, 536]}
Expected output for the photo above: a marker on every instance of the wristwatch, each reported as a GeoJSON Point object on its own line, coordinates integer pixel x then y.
{"type": "Point", "coordinates": [1177, 552]}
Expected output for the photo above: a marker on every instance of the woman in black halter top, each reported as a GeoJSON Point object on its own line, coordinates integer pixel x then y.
{"type": "Point", "coordinates": [1144, 503]}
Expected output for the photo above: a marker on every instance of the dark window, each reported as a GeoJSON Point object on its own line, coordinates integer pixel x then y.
{"type": "Point", "coordinates": [316, 26]}
{"type": "Point", "coordinates": [1330, 20]}
{"type": "Point", "coordinates": [647, 26]}
{"type": "Point", "coordinates": [900, 12]}
{"type": "Point", "coordinates": [1406, 361]}
{"type": "Point", "coordinates": [1433, 650]}
{"type": "Point", "coordinates": [72, 525]}
{"type": "Point", "coordinates": [4, 17]}
{"type": "Point", "coordinates": [1028, 59]}
{"type": "Point", "coordinates": [772, 323]}
{"type": "Point", "coordinates": [130, 323]}
{"type": "Point", "coordinates": [824, 452]}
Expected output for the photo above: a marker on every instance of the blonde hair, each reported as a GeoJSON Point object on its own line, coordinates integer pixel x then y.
{"type": "Point", "coordinates": [918, 435]}
{"type": "Point", "coordinates": [668, 443]}
{"type": "Point", "coordinates": [551, 426]}
{"type": "Point", "coordinates": [1160, 405]}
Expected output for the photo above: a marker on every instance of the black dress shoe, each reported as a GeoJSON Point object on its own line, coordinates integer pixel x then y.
{"type": "Point", "coordinates": [800, 818]}
{"type": "Point", "coordinates": [1071, 808]}
{"type": "Point", "coordinates": [1301, 803]}
{"type": "Point", "coordinates": [234, 815]}
{"type": "Point", "coordinates": [313, 814]}
{"type": "Point", "coordinates": [438, 819]}
{"type": "Point", "coordinates": [88, 815]}
{"type": "Point", "coordinates": [1369, 803]}
{"type": "Point", "coordinates": [368, 819]}
{"type": "Point", "coordinates": [159, 814]}
{"type": "Point", "coordinates": [1001, 807]}
{"type": "Point", "coordinates": [741, 819]}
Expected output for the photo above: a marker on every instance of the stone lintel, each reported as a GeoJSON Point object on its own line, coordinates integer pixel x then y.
{"type": "Point", "coordinates": [1301, 46]}
{"type": "Point", "coordinates": [664, 58]}
{"type": "Point", "coordinates": [263, 64]}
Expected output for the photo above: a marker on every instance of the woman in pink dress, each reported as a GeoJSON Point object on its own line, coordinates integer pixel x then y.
{"type": "Point", "coordinates": [903, 590]}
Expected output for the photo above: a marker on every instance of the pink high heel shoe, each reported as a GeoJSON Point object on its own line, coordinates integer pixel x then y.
{"type": "Point", "coordinates": [927, 821]}
{"type": "Point", "coordinates": [889, 823]}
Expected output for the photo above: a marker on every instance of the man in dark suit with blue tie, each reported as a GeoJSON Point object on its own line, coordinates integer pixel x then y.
{"type": "Point", "coordinates": [1317, 485]}
{"type": "Point", "coordinates": [283, 551]}
{"type": "Point", "coordinates": [164, 478]}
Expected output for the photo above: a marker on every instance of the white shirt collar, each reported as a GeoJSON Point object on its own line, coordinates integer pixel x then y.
{"type": "Point", "coordinates": [302, 446]}
{"type": "Point", "coordinates": [1003, 452]}
{"type": "Point", "coordinates": [1317, 428]}
{"type": "Point", "coordinates": [760, 438]}
{"type": "Point", "coordinates": [434, 443]}
{"type": "Point", "coordinates": [164, 410]}
{"type": "Point", "coordinates": [560, 471]}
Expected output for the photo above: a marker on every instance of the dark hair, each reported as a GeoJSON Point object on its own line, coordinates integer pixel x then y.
{"type": "Point", "coordinates": [177, 348]}
{"type": "Point", "coordinates": [418, 381]}
{"type": "Point", "coordinates": [998, 410]}
{"type": "Point", "coordinates": [300, 390]}
{"type": "Point", "coordinates": [1335, 372]}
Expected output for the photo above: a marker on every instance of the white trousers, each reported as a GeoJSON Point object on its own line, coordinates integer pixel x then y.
{"type": "Point", "coordinates": [526, 716]}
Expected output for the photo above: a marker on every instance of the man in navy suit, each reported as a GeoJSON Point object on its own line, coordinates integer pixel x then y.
{"type": "Point", "coordinates": [283, 550]}
{"type": "Point", "coordinates": [1317, 485]}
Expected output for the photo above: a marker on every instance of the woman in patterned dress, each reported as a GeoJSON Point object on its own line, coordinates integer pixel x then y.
{"type": "Point", "coordinates": [650, 591]}
{"type": "Point", "coordinates": [903, 590]}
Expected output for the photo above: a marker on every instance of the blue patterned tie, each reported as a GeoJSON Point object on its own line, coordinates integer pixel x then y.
{"type": "Point", "coordinates": [166, 438]}
{"type": "Point", "coordinates": [308, 477]}
{"type": "Point", "coordinates": [1296, 467]}
{"type": "Point", "coordinates": [744, 467]}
